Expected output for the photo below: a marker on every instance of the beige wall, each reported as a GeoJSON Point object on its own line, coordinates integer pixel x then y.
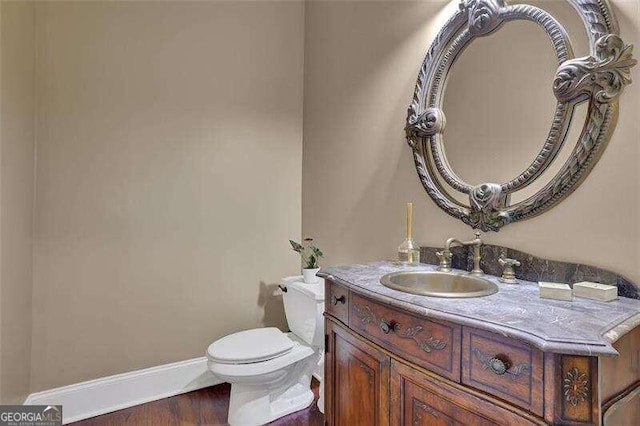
{"type": "Point", "coordinates": [361, 62]}
{"type": "Point", "coordinates": [169, 178]}
{"type": "Point", "coordinates": [169, 157]}
{"type": "Point", "coordinates": [16, 197]}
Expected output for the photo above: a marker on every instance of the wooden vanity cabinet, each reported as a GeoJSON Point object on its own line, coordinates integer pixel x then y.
{"type": "Point", "coordinates": [386, 366]}
{"type": "Point", "coordinates": [365, 386]}
{"type": "Point", "coordinates": [356, 378]}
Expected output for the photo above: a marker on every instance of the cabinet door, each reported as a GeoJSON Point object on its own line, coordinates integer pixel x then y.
{"type": "Point", "coordinates": [421, 399]}
{"type": "Point", "coordinates": [356, 380]}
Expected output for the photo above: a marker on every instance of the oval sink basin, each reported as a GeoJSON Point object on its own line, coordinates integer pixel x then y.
{"type": "Point", "coordinates": [439, 284]}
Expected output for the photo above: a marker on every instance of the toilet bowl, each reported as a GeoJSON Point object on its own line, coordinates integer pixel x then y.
{"type": "Point", "coordinates": [270, 371]}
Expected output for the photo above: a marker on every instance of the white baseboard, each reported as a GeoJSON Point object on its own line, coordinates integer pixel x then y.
{"type": "Point", "coordinates": [93, 398]}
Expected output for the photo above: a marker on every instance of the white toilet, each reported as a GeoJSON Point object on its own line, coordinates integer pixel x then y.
{"type": "Point", "coordinates": [270, 371]}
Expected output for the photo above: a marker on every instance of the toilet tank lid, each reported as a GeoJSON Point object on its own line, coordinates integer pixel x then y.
{"type": "Point", "coordinates": [255, 345]}
{"type": "Point", "coordinates": [314, 291]}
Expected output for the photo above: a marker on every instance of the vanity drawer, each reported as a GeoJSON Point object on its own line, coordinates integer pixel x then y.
{"type": "Point", "coordinates": [503, 367]}
{"type": "Point", "coordinates": [430, 344]}
{"type": "Point", "coordinates": [336, 301]}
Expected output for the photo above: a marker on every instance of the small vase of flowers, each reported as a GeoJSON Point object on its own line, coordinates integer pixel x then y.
{"type": "Point", "coordinates": [311, 256]}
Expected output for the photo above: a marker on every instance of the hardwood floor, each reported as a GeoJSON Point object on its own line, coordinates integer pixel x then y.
{"type": "Point", "coordinates": [206, 406]}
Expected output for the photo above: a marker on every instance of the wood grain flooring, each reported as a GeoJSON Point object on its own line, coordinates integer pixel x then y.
{"type": "Point", "coordinates": [206, 406]}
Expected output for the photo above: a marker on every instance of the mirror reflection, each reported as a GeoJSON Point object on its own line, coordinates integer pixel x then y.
{"type": "Point", "coordinates": [499, 103]}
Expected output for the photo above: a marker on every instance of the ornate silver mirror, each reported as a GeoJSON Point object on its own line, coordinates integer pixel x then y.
{"type": "Point", "coordinates": [596, 80]}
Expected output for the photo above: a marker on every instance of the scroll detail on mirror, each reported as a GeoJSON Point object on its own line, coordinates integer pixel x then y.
{"type": "Point", "coordinates": [603, 76]}
{"type": "Point", "coordinates": [598, 78]}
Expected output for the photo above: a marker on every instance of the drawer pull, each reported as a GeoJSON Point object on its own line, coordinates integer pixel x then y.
{"type": "Point", "coordinates": [385, 327]}
{"type": "Point", "coordinates": [335, 299]}
{"type": "Point", "coordinates": [498, 366]}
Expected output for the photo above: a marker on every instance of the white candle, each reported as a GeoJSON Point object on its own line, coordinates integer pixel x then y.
{"type": "Point", "coordinates": [409, 219]}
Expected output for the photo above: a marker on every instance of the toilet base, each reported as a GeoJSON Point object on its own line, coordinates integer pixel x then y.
{"type": "Point", "coordinates": [251, 405]}
{"type": "Point", "coordinates": [257, 400]}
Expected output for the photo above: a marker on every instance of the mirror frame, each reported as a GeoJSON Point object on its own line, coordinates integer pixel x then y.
{"type": "Point", "coordinates": [598, 78]}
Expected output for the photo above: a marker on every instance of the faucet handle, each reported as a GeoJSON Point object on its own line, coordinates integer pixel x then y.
{"type": "Point", "coordinates": [445, 260]}
{"type": "Point", "coordinates": [477, 241]}
{"type": "Point", "coordinates": [508, 274]}
{"type": "Point", "coordinates": [506, 262]}
{"type": "Point", "coordinates": [444, 254]}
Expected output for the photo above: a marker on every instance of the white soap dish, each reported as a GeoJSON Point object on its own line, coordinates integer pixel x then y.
{"type": "Point", "coordinates": [557, 291]}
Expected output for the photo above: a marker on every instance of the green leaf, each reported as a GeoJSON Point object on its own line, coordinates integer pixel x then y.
{"type": "Point", "coordinates": [312, 262]}
{"type": "Point", "coordinates": [296, 247]}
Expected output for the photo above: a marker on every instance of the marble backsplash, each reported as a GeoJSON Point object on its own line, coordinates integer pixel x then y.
{"type": "Point", "coordinates": [533, 268]}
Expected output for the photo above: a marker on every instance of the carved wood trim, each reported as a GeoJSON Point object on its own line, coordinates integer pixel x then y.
{"type": "Point", "coordinates": [366, 369]}
{"type": "Point", "coordinates": [427, 343]}
{"type": "Point", "coordinates": [575, 384]}
{"type": "Point", "coordinates": [365, 314]}
{"type": "Point", "coordinates": [577, 389]}
{"type": "Point", "coordinates": [420, 407]}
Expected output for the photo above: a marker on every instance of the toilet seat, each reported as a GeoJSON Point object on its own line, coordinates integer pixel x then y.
{"type": "Point", "coordinates": [253, 370]}
{"type": "Point", "coordinates": [250, 346]}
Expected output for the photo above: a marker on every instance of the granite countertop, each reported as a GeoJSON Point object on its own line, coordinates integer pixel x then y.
{"type": "Point", "coordinates": [582, 327]}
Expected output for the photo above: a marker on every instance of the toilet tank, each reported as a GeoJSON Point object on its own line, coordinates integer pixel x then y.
{"type": "Point", "coordinates": [304, 306]}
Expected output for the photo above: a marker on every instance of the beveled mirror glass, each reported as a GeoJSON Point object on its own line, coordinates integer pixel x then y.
{"type": "Point", "coordinates": [475, 184]}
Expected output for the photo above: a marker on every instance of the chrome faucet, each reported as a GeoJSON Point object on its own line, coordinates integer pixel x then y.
{"type": "Point", "coordinates": [445, 255]}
